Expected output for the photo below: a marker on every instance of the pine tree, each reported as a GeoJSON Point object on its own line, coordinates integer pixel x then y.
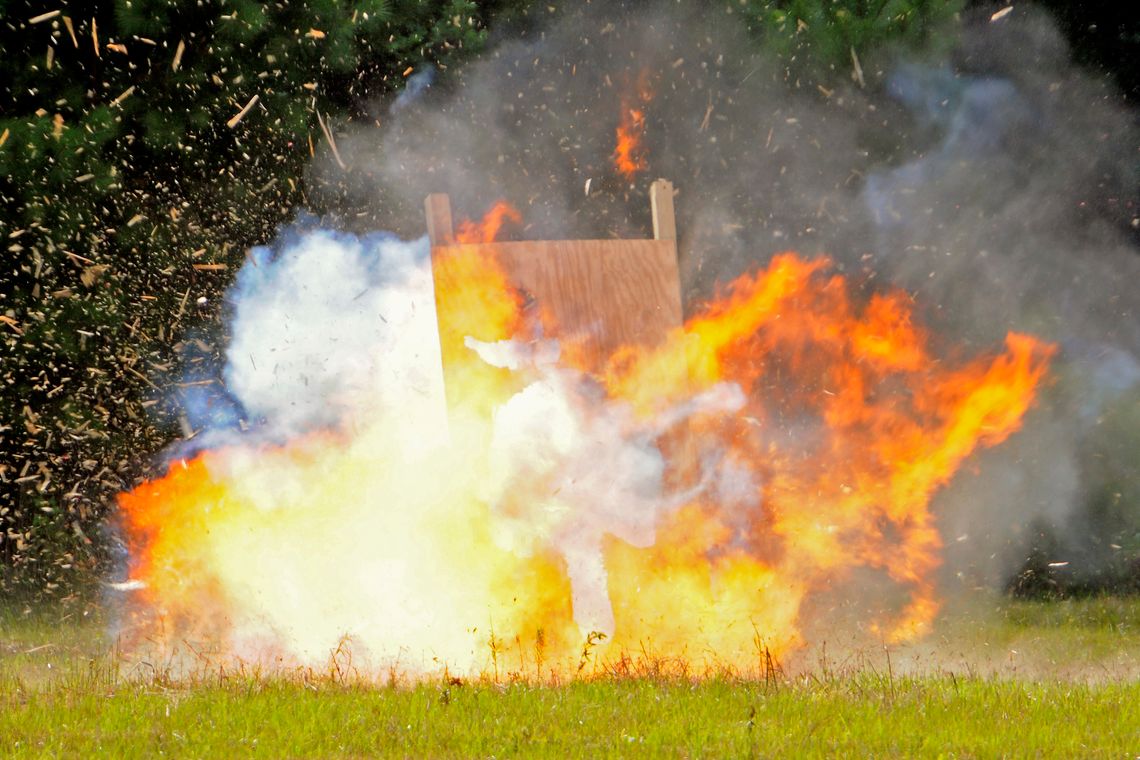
{"type": "Point", "coordinates": [144, 144]}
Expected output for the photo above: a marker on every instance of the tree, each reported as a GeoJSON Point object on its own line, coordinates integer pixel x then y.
{"type": "Point", "coordinates": [835, 34]}
{"type": "Point", "coordinates": [144, 145]}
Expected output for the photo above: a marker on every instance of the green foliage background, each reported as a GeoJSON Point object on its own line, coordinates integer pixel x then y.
{"type": "Point", "coordinates": [127, 198]}
{"type": "Point", "coordinates": [832, 32]}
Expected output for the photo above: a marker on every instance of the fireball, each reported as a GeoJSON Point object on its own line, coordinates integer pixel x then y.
{"type": "Point", "coordinates": [690, 502]}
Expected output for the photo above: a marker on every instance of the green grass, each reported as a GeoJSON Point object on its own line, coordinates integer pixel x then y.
{"type": "Point", "coordinates": [37, 647]}
{"type": "Point", "coordinates": [82, 706]}
{"type": "Point", "coordinates": [1117, 614]}
{"type": "Point", "coordinates": [1094, 639]}
{"type": "Point", "coordinates": [864, 715]}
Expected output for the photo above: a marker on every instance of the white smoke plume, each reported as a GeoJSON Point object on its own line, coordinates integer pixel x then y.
{"type": "Point", "coordinates": [569, 467]}
{"type": "Point", "coordinates": [333, 328]}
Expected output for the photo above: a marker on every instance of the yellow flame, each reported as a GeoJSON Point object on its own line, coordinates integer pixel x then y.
{"type": "Point", "coordinates": [849, 427]}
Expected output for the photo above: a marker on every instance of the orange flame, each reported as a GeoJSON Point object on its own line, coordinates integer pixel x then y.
{"type": "Point", "coordinates": [629, 154]}
{"type": "Point", "coordinates": [849, 426]}
{"type": "Point", "coordinates": [475, 300]}
{"type": "Point", "coordinates": [487, 230]}
{"type": "Point", "coordinates": [885, 425]}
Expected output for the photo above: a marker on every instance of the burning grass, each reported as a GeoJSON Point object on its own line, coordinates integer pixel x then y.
{"type": "Point", "coordinates": [77, 698]}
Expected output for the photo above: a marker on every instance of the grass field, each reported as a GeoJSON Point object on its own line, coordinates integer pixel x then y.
{"type": "Point", "coordinates": [1055, 680]}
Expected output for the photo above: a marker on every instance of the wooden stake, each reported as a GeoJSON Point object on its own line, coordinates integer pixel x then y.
{"type": "Point", "coordinates": [437, 207]}
{"type": "Point", "coordinates": [233, 122]}
{"type": "Point", "coordinates": [661, 203]}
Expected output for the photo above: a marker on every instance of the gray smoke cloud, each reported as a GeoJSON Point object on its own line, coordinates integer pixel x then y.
{"type": "Point", "coordinates": [996, 182]}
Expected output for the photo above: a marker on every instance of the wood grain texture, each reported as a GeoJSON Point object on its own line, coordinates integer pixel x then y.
{"type": "Point", "coordinates": [596, 294]}
{"type": "Point", "coordinates": [661, 204]}
{"type": "Point", "coordinates": [437, 209]}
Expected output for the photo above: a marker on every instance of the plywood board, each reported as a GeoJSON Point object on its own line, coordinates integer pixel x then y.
{"type": "Point", "coordinates": [596, 294]}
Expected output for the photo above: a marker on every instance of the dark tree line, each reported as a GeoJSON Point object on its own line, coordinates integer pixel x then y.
{"type": "Point", "coordinates": [130, 190]}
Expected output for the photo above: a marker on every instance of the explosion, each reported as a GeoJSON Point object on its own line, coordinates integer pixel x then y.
{"type": "Point", "coordinates": [690, 501]}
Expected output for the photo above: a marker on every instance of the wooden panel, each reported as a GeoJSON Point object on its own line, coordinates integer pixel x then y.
{"type": "Point", "coordinates": [604, 293]}
{"type": "Point", "coordinates": [437, 208]}
{"type": "Point", "coordinates": [661, 204]}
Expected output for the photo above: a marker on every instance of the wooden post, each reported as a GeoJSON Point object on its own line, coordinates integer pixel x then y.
{"type": "Point", "coordinates": [661, 202]}
{"type": "Point", "coordinates": [437, 207]}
